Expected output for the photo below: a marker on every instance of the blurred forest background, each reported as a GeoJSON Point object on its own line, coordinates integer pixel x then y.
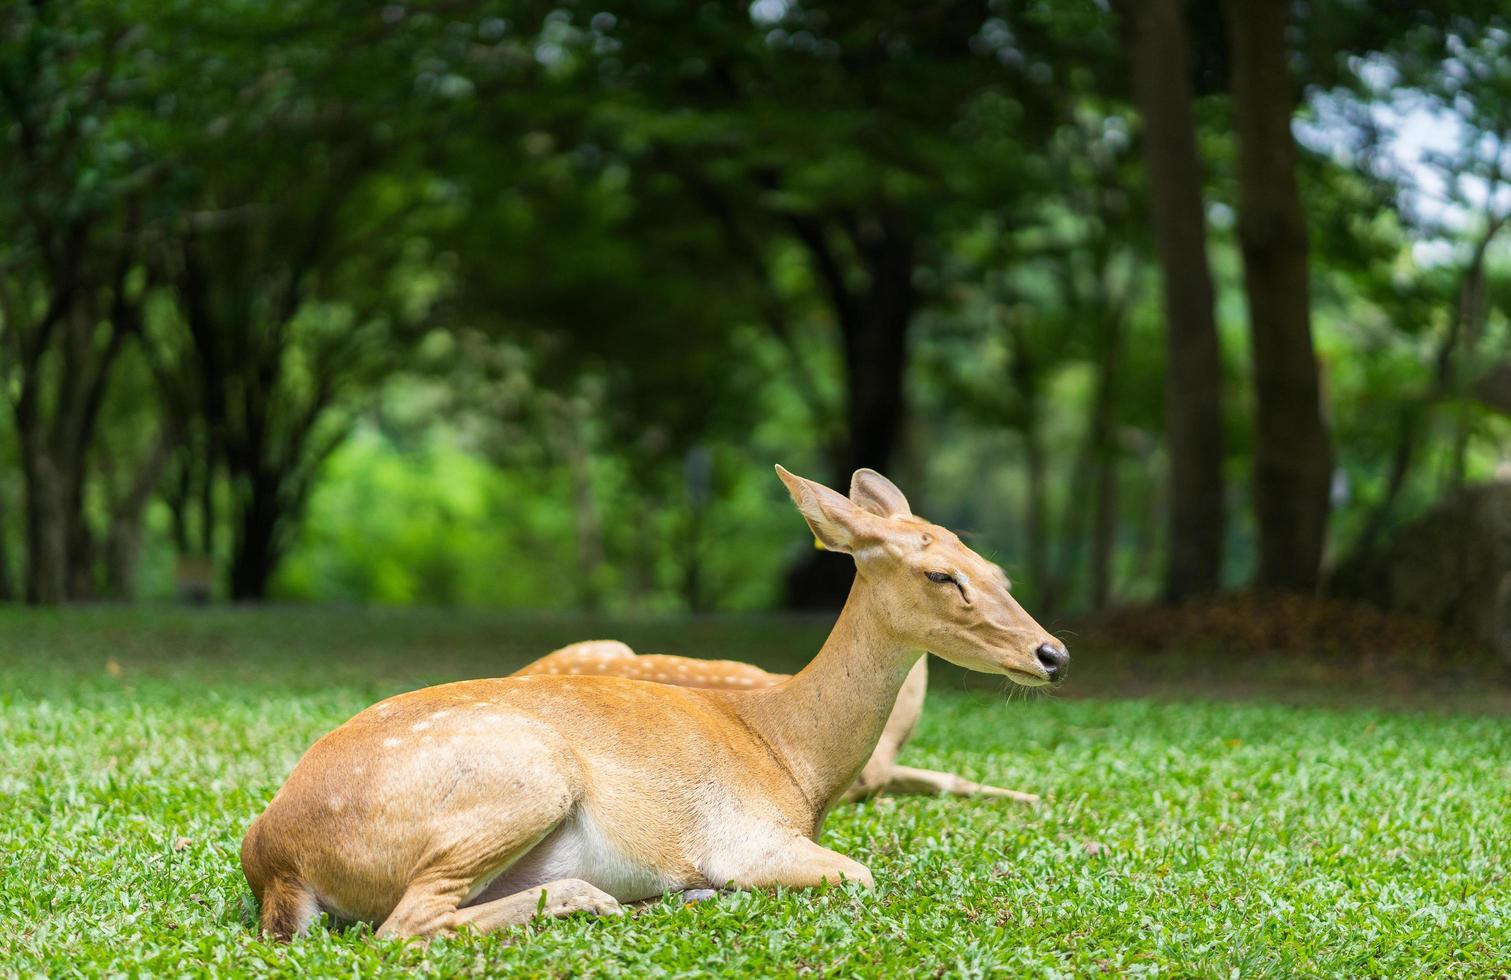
{"type": "Point", "coordinates": [484, 303]}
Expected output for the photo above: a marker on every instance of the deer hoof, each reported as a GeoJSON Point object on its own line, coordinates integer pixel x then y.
{"type": "Point", "coordinates": [585, 898]}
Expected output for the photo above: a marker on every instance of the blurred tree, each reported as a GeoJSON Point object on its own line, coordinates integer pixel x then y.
{"type": "Point", "coordinates": [8, 465]}
{"type": "Point", "coordinates": [1043, 297]}
{"type": "Point", "coordinates": [274, 361]}
{"type": "Point", "coordinates": [1292, 452]}
{"type": "Point", "coordinates": [1156, 45]}
{"type": "Point", "coordinates": [858, 132]}
{"type": "Point", "coordinates": [608, 331]}
{"type": "Point", "coordinates": [71, 289]}
{"type": "Point", "coordinates": [667, 244]}
{"type": "Point", "coordinates": [297, 284]}
{"type": "Point", "coordinates": [1101, 287]}
{"type": "Point", "coordinates": [1434, 65]}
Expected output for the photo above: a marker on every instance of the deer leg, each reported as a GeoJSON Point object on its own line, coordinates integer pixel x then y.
{"type": "Point", "coordinates": [564, 897]}
{"type": "Point", "coordinates": [804, 864]}
{"type": "Point", "coordinates": [873, 779]}
{"type": "Point", "coordinates": [529, 801]}
{"type": "Point", "coordinates": [432, 909]}
{"type": "Point", "coordinates": [908, 781]}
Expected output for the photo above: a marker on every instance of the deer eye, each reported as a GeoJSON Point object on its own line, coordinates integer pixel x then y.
{"type": "Point", "coordinates": [945, 578]}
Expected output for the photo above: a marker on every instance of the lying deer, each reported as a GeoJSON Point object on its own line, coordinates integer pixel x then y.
{"type": "Point", "coordinates": [882, 773]}
{"type": "Point", "coordinates": [483, 803]}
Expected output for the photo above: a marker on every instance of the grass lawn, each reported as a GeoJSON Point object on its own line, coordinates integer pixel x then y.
{"type": "Point", "coordinates": [1181, 834]}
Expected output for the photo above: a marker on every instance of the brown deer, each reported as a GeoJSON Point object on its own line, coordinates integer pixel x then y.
{"type": "Point", "coordinates": [482, 803]}
{"type": "Point", "coordinates": [882, 773]}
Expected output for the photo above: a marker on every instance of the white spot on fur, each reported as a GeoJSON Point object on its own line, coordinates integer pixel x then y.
{"type": "Point", "coordinates": [390, 742]}
{"type": "Point", "coordinates": [419, 726]}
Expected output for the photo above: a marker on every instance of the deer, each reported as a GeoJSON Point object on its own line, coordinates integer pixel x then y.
{"type": "Point", "coordinates": [882, 772]}
{"type": "Point", "coordinates": [481, 804]}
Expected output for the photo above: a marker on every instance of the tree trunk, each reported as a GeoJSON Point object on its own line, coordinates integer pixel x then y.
{"type": "Point", "coordinates": [873, 326]}
{"type": "Point", "coordinates": [1076, 511]}
{"type": "Point", "coordinates": [207, 500]}
{"type": "Point", "coordinates": [589, 527]}
{"type": "Point", "coordinates": [256, 550]}
{"type": "Point", "coordinates": [1292, 449]}
{"type": "Point", "coordinates": [7, 585]}
{"type": "Point", "coordinates": [642, 577]}
{"type": "Point", "coordinates": [1025, 379]}
{"type": "Point", "coordinates": [1472, 312]}
{"type": "Point", "coordinates": [1470, 302]}
{"type": "Point", "coordinates": [1154, 37]}
{"type": "Point", "coordinates": [1080, 490]}
{"type": "Point", "coordinates": [81, 543]}
{"type": "Point", "coordinates": [123, 553]}
{"type": "Point", "coordinates": [697, 478]}
{"type": "Point", "coordinates": [1036, 522]}
{"type": "Point", "coordinates": [875, 358]}
{"type": "Point", "coordinates": [46, 529]}
{"type": "Point", "coordinates": [1105, 455]}
{"type": "Point", "coordinates": [59, 547]}
{"type": "Point", "coordinates": [1104, 532]}
{"type": "Point", "coordinates": [1493, 388]}
{"type": "Point", "coordinates": [128, 510]}
{"type": "Point", "coordinates": [694, 592]}
{"type": "Point", "coordinates": [566, 425]}
{"type": "Point", "coordinates": [1146, 535]}
{"type": "Point", "coordinates": [178, 494]}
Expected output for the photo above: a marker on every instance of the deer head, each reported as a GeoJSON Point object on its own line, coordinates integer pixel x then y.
{"type": "Point", "coordinates": [929, 589]}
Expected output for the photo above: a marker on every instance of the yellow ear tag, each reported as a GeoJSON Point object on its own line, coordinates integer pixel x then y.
{"type": "Point", "coordinates": [819, 545]}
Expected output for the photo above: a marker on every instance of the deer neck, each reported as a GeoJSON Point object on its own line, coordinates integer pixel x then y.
{"type": "Point", "coordinates": [825, 721]}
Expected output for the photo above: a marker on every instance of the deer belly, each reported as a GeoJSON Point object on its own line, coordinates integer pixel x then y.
{"type": "Point", "coordinates": [578, 848]}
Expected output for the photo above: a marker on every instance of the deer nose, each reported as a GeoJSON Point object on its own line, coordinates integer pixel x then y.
{"type": "Point", "coordinates": [1054, 660]}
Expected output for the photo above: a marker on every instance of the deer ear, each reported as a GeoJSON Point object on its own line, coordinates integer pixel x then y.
{"type": "Point", "coordinates": [871, 491]}
{"type": "Point", "coordinates": [835, 521]}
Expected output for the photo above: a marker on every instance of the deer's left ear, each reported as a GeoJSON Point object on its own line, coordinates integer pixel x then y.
{"type": "Point", "coordinates": [836, 522]}
{"type": "Point", "coordinates": [873, 492]}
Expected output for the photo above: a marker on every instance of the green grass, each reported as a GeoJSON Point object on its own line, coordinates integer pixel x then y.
{"type": "Point", "coordinates": [1186, 837]}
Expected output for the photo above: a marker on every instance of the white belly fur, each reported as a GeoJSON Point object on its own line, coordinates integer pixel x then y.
{"type": "Point", "coordinates": [576, 848]}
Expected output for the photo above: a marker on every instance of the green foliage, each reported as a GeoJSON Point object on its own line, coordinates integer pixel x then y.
{"type": "Point", "coordinates": [436, 525]}
{"type": "Point", "coordinates": [622, 238]}
{"type": "Point", "coordinates": [1187, 839]}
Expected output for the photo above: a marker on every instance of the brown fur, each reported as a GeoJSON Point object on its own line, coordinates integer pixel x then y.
{"type": "Point", "coordinates": [474, 804]}
{"type": "Point", "coordinates": [881, 774]}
